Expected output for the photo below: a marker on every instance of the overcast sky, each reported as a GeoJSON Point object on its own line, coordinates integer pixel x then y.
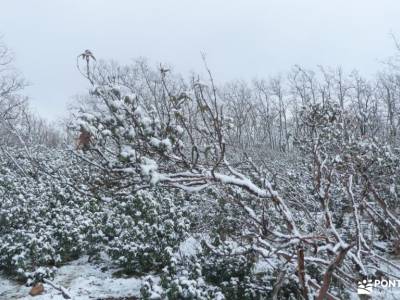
{"type": "Point", "coordinates": [242, 39]}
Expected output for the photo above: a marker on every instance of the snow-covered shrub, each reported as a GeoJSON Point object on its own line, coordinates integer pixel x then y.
{"type": "Point", "coordinates": [41, 218]}
{"type": "Point", "coordinates": [59, 214]}
{"type": "Point", "coordinates": [223, 270]}
{"type": "Point", "coordinates": [147, 228]}
{"type": "Point", "coordinates": [180, 280]}
{"type": "Point", "coordinates": [230, 267]}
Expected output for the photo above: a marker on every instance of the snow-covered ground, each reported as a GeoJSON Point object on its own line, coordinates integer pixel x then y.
{"type": "Point", "coordinates": [82, 280]}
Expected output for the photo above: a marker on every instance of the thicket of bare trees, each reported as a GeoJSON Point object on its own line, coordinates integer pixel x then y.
{"type": "Point", "coordinates": [18, 125]}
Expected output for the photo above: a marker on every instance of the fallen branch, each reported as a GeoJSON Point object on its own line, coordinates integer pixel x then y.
{"type": "Point", "coordinates": [63, 291]}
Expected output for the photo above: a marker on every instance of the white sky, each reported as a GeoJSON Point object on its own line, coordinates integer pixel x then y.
{"type": "Point", "coordinates": [242, 39]}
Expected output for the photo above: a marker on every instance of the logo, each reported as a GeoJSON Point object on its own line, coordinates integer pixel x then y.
{"type": "Point", "coordinates": [365, 287]}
